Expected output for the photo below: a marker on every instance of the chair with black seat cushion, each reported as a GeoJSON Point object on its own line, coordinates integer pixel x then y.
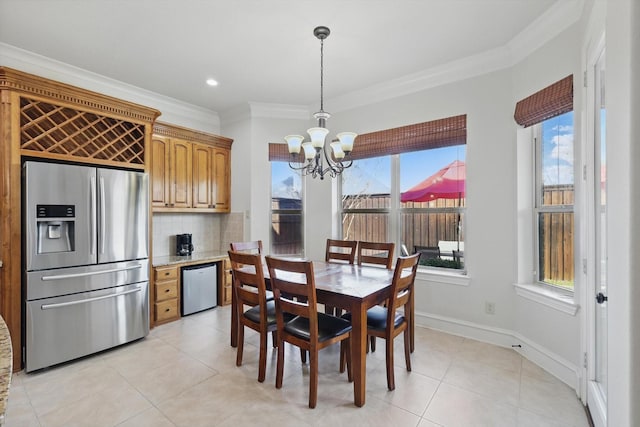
{"type": "Point", "coordinates": [309, 330]}
{"type": "Point", "coordinates": [376, 253]}
{"type": "Point", "coordinates": [254, 247]}
{"type": "Point", "coordinates": [250, 247]}
{"type": "Point", "coordinates": [250, 290]}
{"type": "Point", "coordinates": [387, 322]}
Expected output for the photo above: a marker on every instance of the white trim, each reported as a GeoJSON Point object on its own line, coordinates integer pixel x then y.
{"type": "Point", "coordinates": [173, 110]}
{"type": "Point", "coordinates": [556, 365]}
{"type": "Point", "coordinates": [546, 296]}
{"type": "Point", "coordinates": [443, 277]}
{"type": "Point", "coordinates": [597, 406]}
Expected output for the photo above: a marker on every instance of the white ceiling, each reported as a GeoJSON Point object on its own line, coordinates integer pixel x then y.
{"type": "Point", "coordinates": [264, 51]}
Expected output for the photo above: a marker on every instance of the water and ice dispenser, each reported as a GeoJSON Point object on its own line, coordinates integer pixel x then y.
{"type": "Point", "coordinates": [55, 228]}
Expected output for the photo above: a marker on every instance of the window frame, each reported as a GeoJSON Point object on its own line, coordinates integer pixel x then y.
{"type": "Point", "coordinates": [300, 212]}
{"type": "Point", "coordinates": [539, 208]}
{"type": "Point", "coordinates": [395, 211]}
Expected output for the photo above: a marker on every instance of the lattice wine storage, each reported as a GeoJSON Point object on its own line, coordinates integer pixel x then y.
{"type": "Point", "coordinates": [63, 131]}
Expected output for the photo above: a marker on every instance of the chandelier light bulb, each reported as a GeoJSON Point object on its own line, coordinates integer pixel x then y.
{"type": "Point", "coordinates": [317, 136]}
{"type": "Point", "coordinates": [294, 142]}
{"type": "Point", "coordinates": [346, 140]}
{"type": "Point", "coordinates": [309, 151]}
{"type": "Point", "coordinates": [338, 153]}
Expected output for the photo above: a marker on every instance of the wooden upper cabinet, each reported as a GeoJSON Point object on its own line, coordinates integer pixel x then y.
{"type": "Point", "coordinates": [180, 173]}
{"type": "Point", "coordinates": [170, 173]}
{"type": "Point", "coordinates": [190, 170]}
{"type": "Point", "coordinates": [160, 149]}
{"type": "Point", "coordinates": [203, 177]}
{"type": "Point", "coordinates": [222, 167]}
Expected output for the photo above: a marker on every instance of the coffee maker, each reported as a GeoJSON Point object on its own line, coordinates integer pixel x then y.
{"type": "Point", "coordinates": [183, 244]}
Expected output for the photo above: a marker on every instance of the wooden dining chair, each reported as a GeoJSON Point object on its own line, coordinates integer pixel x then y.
{"type": "Point", "coordinates": [341, 250]}
{"type": "Point", "coordinates": [309, 330]}
{"type": "Point", "coordinates": [387, 322]}
{"type": "Point", "coordinates": [254, 247]}
{"type": "Point", "coordinates": [250, 290]}
{"type": "Point", "coordinates": [376, 253]}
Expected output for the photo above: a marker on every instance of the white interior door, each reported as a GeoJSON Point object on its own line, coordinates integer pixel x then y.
{"type": "Point", "coordinates": [597, 370]}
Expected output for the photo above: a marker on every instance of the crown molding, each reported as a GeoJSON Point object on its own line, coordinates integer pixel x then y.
{"type": "Point", "coordinates": [173, 110]}
{"type": "Point", "coordinates": [560, 16]}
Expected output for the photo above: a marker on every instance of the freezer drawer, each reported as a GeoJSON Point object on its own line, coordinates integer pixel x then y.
{"type": "Point", "coordinates": [65, 328]}
{"type": "Point", "coordinates": [199, 288]}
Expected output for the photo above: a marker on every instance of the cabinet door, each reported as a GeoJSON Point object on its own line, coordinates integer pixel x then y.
{"type": "Point", "coordinates": [202, 176]}
{"type": "Point", "coordinates": [160, 148]}
{"type": "Point", "coordinates": [180, 173]}
{"type": "Point", "coordinates": [222, 170]}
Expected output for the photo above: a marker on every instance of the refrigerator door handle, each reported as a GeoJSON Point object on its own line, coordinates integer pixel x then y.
{"type": "Point", "coordinates": [103, 219]}
{"type": "Point", "coordinates": [84, 301]}
{"type": "Point", "coordinates": [89, 273]}
{"type": "Point", "coordinates": [92, 216]}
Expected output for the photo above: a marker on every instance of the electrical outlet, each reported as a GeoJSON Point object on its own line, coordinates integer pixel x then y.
{"type": "Point", "coordinates": [490, 307]}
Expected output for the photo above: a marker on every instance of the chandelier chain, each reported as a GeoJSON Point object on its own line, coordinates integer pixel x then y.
{"type": "Point", "coordinates": [321, 74]}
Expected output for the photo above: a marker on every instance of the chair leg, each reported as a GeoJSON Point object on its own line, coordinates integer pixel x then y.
{"type": "Point", "coordinates": [280, 364]}
{"type": "Point", "coordinates": [240, 345]}
{"type": "Point", "coordinates": [349, 357]}
{"type": "Point", "coordinates": [407, 348]}
{"type": "Point", "coordinates": [274, 339]}
{"type": "Point", "coordinates": [391, 382]}
{"type": "Point", "coordinates": [313, 378]}
{"type": "Point", "coordinates": [343, 355]}
{"type": "Point", "coordinates": [373, 343]}
{"type": "Point", "coordinates": [303, 355]}
{"type": "Point", "coordinates": [262, 361]}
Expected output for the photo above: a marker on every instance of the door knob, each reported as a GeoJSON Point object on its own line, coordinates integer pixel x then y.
{"type": "Point", "coordinates": [600, 298]}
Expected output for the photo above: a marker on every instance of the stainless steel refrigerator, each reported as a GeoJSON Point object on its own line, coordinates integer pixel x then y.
{"type": "Point", "coordinates": [86, 267]}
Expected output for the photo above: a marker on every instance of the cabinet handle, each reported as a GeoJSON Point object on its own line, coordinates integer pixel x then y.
{"type": "Point", "coordinates": [166, 310]}
{"type": "Point", "coordinates": [167, 290]}
{"type": "Point", "coordinates": [166, 205]}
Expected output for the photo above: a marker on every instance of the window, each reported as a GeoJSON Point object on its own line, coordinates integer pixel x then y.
{"type": "Point", "coordinates": [415, 199]}
{"type": "Point", "coordinates": [286, 210]}
{"type": "Point", "coordinates": [554, 201]}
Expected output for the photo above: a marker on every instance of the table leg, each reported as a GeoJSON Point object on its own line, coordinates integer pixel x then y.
{"type": "Point", "coordinates": [358, 353]}
{"type": "Point", "coordinates": [234, 321]}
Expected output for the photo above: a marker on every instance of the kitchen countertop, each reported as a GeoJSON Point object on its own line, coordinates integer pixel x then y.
{"type": "Point", "coordinates": [195, 258]}
{"type": "Point", "coordinates": [6, 367]}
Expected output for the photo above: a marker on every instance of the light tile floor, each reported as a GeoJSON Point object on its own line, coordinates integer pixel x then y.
{"type": "Point", "coordinates": [184, 374]}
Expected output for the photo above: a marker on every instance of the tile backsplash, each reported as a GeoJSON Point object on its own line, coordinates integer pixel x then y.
{"type": "Point", "coordinates": [211, 232]}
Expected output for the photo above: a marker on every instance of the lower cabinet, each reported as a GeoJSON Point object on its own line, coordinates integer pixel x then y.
{"type": "Point", "coordinates": [167, 289]}
{"type": "Point", "coordinates": [226, 285]}
{"type": "Point", "coordinates": [167, 294]}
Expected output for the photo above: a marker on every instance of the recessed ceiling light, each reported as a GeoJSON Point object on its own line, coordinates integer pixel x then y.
{"type": "Point", "coordinates": [212, 82]}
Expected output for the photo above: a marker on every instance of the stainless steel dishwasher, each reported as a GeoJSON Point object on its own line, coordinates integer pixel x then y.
{"type": "Point", "coordinates": [199, 288]}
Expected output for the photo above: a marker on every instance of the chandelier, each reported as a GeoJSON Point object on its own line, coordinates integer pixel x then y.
{"type": "Point", "coordinates": [315, 151]}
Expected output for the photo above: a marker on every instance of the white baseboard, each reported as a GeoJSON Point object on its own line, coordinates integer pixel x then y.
{"type": "Point", "coordinates": [547, 360]}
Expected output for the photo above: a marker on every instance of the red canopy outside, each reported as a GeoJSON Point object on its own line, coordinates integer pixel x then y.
{"type": "Point", "coordinates": [447, 183]}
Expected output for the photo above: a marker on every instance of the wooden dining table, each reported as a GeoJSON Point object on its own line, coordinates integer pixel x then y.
{"type": "Point", "coordinates": [353, 288]}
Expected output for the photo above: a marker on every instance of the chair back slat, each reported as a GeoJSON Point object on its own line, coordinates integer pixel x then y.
{"type": "Point", "coordinates": [342, 250]}
{"type": "Point", "coordinates": [248, 279]}
{"type": "Point", "coordinates": [254, 247]}
{"type": "Point", "coordinates": [376, 253]}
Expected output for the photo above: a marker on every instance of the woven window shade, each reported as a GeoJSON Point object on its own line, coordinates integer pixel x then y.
{"type": "Point", "coordinates": [549, 102]}
{"type": "Point", "coordinates": [421, 136]}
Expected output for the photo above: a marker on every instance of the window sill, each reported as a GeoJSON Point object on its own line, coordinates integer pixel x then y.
{"type": "Point", "coordinates": [449, 277]}
{"type": "Point", "coordinates": [548, 297]}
